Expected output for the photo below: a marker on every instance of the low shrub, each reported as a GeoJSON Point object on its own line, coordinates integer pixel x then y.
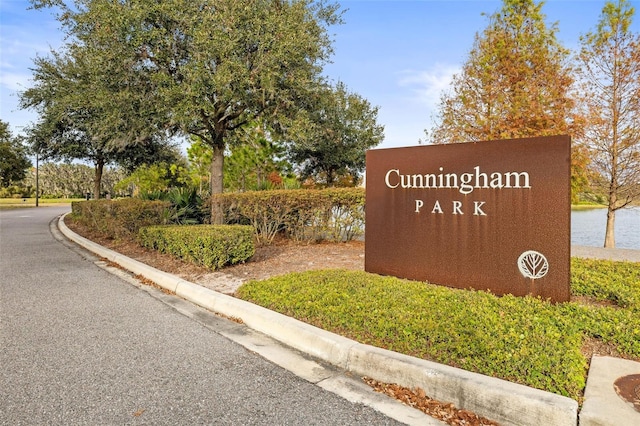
{"type": "Point", "coordinates": [15, 191]}
{"type": "Point", "coordinates": [119, 218]}
{"type": "Point", "coordinates": [616, 285]}
{"type": "Point", "coordinates": [521, 339]}
{"type": "Point", "coordinates": [213, 246]}
{"type": "Point", "coordinates": [186, 203]}
{"type": "Point", "coordinates": [476, 331]}
{"type": "Point", "coordinates": [607, 281]}
{"type": "Point", "coordinates": [334, 214]}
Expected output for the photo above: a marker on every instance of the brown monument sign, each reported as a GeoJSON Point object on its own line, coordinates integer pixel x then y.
{"type": "Point", "coordinates": [490, 215]}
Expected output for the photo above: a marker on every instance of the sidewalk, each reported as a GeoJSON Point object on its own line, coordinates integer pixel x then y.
{"type": "Point", "coordinates": [616, 254]}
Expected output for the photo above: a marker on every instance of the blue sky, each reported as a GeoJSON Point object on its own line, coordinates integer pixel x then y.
{"type": "Point", "coordinates": [399, 54]}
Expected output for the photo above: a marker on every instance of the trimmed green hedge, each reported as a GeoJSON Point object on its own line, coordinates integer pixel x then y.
{"type": "Point", "coordinates": [120, 218]}
{"type": "Point", "coordinates": [334, 214]}
{"type": "Point", "coordinates": [213, 246]}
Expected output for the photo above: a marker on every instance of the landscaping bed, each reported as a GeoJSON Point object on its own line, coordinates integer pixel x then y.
{"type": "Point", "coordinates": [521, 339]}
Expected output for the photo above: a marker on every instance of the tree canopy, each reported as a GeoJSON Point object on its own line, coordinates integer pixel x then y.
{"type": "Point", "coordinates": [516, 82]}
{"type": "Point", "coordinates": [90, 108]}
{"type": "Point", "coordinates": [256, 160]}
{"type": "Point", "coordinates": [331, 138]}
{"type": "Point", "coordinates": [14, 161]}
{"type": "Point", "coordinates": [67, 180]}
{"type": "Point", "coordinates": [212, 66]}
{"type": "Point", "coordinates": [610, 74]}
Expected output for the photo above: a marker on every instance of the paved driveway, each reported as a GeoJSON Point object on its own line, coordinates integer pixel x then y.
{"type": "Point", "coordinates": [82, 346]}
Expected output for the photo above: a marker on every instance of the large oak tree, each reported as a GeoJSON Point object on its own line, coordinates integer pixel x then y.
{"type": "Point", "coordinates": [87, 111]}
{"type": "Point", "coordinates": [610, 72]}
{"type": "Point", "coordinates": [214, 65]}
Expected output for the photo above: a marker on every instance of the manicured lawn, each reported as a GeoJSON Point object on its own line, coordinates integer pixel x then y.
{"type": "Point", "coordinates": [587, 206]}
{"type": "Point", "coordinates": [9, 203]}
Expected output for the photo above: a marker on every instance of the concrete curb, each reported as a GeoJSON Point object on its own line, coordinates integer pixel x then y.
{"type": "Point", "coordinates": [505, 402]}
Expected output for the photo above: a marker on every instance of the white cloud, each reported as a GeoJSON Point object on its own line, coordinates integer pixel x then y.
{"type": "Point", "coordinates": [25, 34]}
{"type": "Point", "coordinates": [428, 85]}
{"type": "Point", "coordinates": [15, 81]}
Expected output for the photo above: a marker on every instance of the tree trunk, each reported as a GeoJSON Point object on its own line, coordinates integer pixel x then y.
{"type": "Point", "coordinates": [217, 185]}
{"type": "Point", "coordinates": [97, 179]}
{"type": "Point", "coordinates": [609, 236]}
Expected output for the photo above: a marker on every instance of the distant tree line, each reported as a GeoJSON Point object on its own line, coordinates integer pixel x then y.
{"type": "Point", "coordinates": [63, 180]}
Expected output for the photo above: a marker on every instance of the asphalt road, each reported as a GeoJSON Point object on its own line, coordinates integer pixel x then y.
{"type": "Point", "coordinates": [82, 346]}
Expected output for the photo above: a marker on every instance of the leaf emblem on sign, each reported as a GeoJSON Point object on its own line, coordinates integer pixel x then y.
{"type": "Point", "coordinates": [533, 264]}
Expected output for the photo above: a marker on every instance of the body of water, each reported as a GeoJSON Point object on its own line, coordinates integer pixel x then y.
{"type": "Point", "coordinates": [588, 227]}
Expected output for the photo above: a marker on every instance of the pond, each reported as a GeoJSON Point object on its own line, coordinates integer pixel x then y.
{"type": "Point", "coordinates": [588, 227]}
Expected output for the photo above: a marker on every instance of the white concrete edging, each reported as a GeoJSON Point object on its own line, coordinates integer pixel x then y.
{"type": "Point", "coordinates": [505, 402]}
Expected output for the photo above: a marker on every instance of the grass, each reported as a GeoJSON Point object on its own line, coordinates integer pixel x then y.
{"type": "Point", "coordinates": [10, 203]}
{"type": "Point", "coordinates": [524, 340]}
{"type": "Point", "coordinates": [587, 206]}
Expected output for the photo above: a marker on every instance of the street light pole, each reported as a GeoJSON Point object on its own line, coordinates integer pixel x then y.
{"type": "Point", "coordinates": [37, 182]}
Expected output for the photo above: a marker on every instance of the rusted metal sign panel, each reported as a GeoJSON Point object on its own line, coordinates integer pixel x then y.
{"type": "Point", "coordinates": [491, 215]}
